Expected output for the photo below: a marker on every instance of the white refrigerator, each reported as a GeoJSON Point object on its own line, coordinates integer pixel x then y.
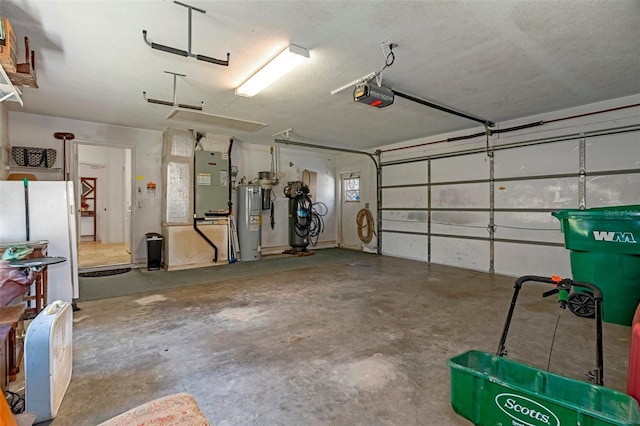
{"type": "Point", "coordinates": [51, 210]}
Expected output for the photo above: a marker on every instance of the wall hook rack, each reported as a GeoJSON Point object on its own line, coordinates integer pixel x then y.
{"type": "Point", "coordinates": [174, 102]}
{"type": "Point", "coordinates": [186, 53]}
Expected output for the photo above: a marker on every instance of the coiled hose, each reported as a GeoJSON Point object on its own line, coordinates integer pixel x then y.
{"type": "Point", "coordinates": [364, 220]}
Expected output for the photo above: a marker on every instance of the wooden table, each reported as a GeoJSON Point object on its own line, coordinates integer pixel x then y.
{"type": "Point", "coordinates": [92, 214]}
{"type": "Point", "coordinates": [5, 329]}
{"type": "Point", "coordinates": [13, 317]}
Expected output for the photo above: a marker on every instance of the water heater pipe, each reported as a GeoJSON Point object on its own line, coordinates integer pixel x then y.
{"type": "Point", "coordinates": [195, 219]}
{"type": "Point", "coordinates": [230, 203]}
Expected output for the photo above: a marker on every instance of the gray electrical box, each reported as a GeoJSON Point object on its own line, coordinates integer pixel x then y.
{"type": "Point", "coordinates": [211, 183]}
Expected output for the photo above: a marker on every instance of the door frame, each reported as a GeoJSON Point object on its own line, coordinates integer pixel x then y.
{"type": "Point", "coordinates": [75, 177]}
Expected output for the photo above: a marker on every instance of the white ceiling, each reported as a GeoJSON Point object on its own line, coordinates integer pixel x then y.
{"type": "Point", "coordinates": [495, 59]}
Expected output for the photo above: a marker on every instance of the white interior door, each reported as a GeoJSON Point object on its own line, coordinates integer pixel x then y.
{"type": "Point", "coordinates": [127, 226]}
{"type": "Point", "coordinates": [127, 199]}
{"type": "Point", "coordinates": [350, 206]}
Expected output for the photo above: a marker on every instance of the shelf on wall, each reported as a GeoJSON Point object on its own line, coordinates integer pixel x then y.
{"type": "Point", "coordinates": [35, 169]}
{"type": "Point", "coordinates": [8, 92]}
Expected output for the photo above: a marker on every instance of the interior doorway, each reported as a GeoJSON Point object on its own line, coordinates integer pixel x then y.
{"type": "Point", "coordinates": [102, 177]}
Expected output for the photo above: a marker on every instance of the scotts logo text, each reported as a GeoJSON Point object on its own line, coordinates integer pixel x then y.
{"type": "Point", "coordinates": [614, 237]}
{"type": "Point", "coordinates": [526, 411]}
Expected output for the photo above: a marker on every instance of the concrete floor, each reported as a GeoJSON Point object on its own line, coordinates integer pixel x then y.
{"type": "Point", "coordinates": [357, 343]}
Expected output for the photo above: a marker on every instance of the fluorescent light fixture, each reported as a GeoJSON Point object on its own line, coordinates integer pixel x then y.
{"type": "Point", "coordinates": [282, 63]}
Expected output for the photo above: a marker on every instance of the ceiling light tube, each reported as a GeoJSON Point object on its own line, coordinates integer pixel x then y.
{"type": "Point", "coordinates": [281, 64]}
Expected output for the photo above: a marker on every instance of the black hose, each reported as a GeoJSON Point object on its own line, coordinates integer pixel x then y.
{"type": "Point", "coordinates": [272, 217]}
{"type": "Point", "coordinates": [316, 227]}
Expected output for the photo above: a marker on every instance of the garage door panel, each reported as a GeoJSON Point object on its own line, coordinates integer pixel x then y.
{"type": "Point", "coordinates": [472, 254]}
{"type": "Point", "coordinates": [559, 193]}
{"type": "Point", "coordinates": [460, 223]}
{"type": "Point", "coordinates": [526, 259]}
{"type": "Point", "coordinates": [415, 197]}
{"type": "Point", "coordinates": [405, 246]}
{"type": "Point", "coordinates": [529, 226]}
{"type": "Point", "coordinates": [415, 221]}
{"type": "Point", "coordinates": [527, 185]}
{"type": "Point", "coordinates": [467, 167]}
{"type": "Point", "coordinates": [614, 190]}
{"type": "Point", "coordinates": [538, 160]}
{"type": "Point", "coordinates": [403, 174]}
{"type": "Point", "coordinates": [471, 195]}
{"type": "Point", "coordinates": [625, 145]}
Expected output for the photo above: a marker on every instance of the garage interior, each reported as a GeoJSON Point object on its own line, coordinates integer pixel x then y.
{"type": "Point", "coordinates": [427, 151]}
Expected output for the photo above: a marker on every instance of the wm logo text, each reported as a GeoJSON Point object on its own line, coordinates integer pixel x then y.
{"type": "Point", "coordinates": [615, 237]}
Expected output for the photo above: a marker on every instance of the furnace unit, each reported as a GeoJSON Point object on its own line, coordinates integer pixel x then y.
{"type": "Point", "coordinates": [211, 184]}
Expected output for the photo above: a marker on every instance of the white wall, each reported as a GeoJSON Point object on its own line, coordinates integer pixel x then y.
{"type": "Point", "coordinates": [615, 152]}
{"type": "Point", "coordinates": [4, 141]}
{"type": "Point", "coordinates": [37, 130]}
{"type": "Point", "coordinates": [251, 159]}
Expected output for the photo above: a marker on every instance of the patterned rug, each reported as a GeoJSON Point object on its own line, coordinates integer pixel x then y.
{"type": "Point", "coordinates": [179, 409]}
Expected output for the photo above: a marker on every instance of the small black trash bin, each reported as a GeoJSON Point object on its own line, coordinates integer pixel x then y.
{"type": "Point", "coordinates": [154, 251]}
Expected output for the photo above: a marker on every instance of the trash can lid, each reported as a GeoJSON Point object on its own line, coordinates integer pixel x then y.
{"type": "Point", "coordinates": [153, 236]}
{"type": "Point", "coordinates": [631, 212]}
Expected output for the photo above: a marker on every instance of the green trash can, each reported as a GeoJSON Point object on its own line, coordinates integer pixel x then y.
{"type": "Point", "coordinates": [605, 250]}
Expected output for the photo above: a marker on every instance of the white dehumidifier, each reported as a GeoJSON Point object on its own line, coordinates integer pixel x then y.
{"type": "Point", "coordinates": [48, 360]}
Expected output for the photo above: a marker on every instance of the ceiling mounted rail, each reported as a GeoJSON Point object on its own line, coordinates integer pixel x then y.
{"type": "Point", "coordinates": [326, 148]}
{"type": "Point", "coordinates": [484, 121]}
{"type": "Point", "coordinates": [175, 101]}
{"type": "Point", "coordinates": [186, 53]}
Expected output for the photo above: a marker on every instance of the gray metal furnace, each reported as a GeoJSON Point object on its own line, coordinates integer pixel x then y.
{"type": "Point", "coordinates": [211, 184]}
{"type": "Point", "coordinates": [249, 221]}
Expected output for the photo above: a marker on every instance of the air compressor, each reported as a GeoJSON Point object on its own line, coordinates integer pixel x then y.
{"type": "Point", "coordinates": [300, 215]}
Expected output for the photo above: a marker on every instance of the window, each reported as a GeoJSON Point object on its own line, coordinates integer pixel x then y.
{"type": "Point", "coordinates": [352, 189]}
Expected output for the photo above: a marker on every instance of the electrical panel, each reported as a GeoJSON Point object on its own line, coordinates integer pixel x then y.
{"type": "Point", "coordinates": [211, 181]}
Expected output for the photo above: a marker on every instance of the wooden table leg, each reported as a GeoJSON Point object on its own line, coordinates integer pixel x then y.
{"type": "Point", "coordinates": [13, 316]}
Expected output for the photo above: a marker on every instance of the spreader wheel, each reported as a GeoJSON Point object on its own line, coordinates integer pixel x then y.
{"type": "Point", "coordinates": [582, 304]}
